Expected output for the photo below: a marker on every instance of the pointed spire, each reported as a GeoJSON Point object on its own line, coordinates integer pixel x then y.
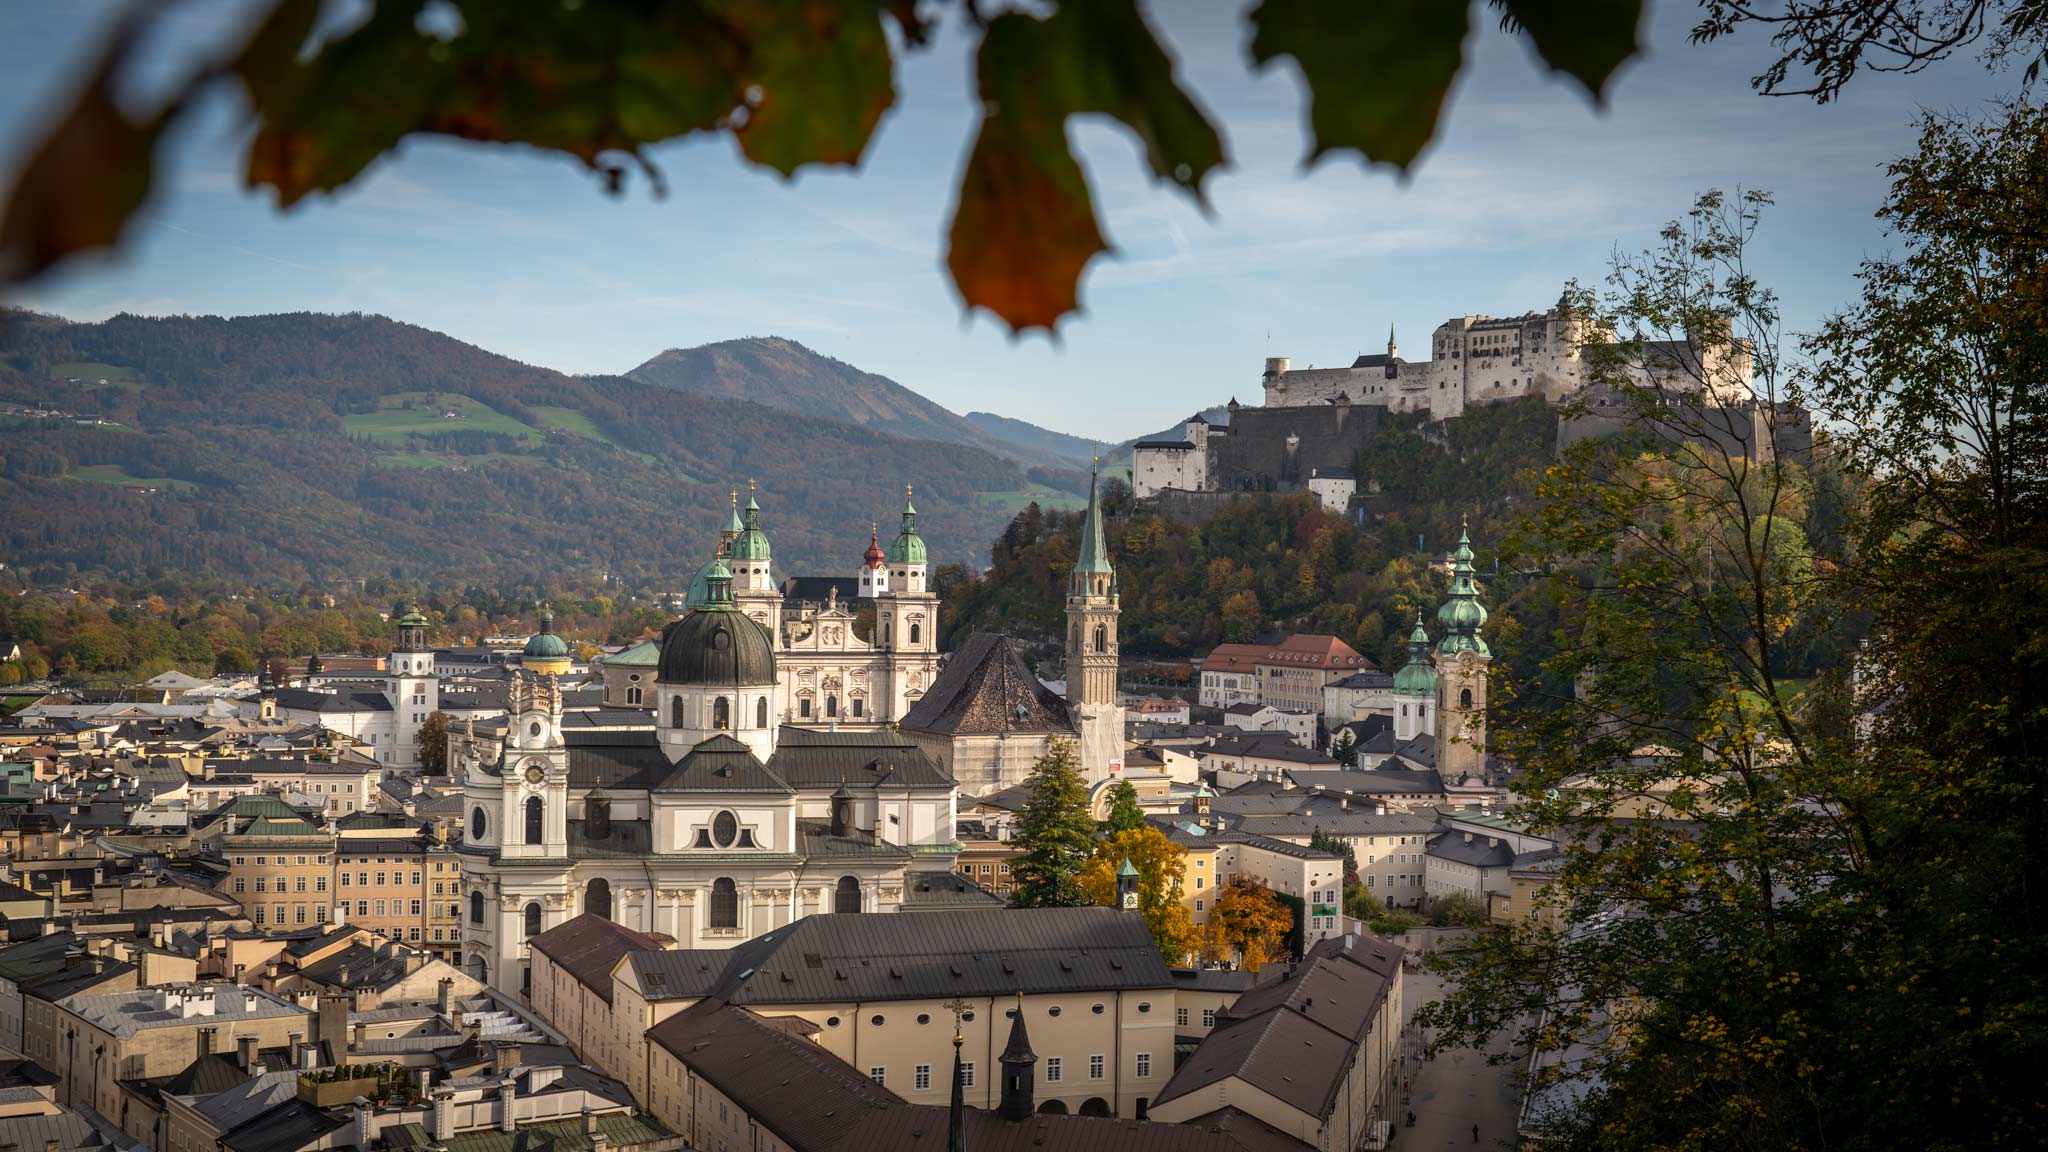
{"type": "Point", "coordinates": [908, 547]}
{"type": "Point", "coordinates": [1390, 339]}
{"type": "Point", "coordinates": [956, 1112]}
{"type": "Point", "coordinates": [1094, 557]}
{"type": "Point", "coordinates": [733, 527]}
{"type": "Point", "coordinates": [1462, 616]}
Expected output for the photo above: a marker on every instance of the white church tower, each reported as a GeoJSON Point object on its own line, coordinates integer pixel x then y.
{"type": "Point", "coordinates": [1092, 650]}
{"type": "Point", "coordinates": [413, 688]}
{"type": "Point", "coordinates": [874, 566]}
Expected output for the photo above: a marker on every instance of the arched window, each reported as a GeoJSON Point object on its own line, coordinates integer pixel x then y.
{"type": "Point", "coordinates": [721, 713]}
{"type": "Point", "coordinates": [675, 713]}
{"type": "Point", "coordinates": [914, 630]}
{"type": "Point", "coordinates": [761, 712]}
{"type": "Point", "coordinates": [536, 820]}
{"type": "Point", "coordinates": [831, 705]}
{"type": "Point", "coordinates": [846, 895]}
{"type": "Point", "coordinates": [476, 907]}
{"type": "Point", "coordinates": [533, 919]}
{"type": "Point", "coordinates": [476, 823]}
{"type": "Point", "coordinates": [1465, 698]}
{"type": "Point", "coordinates": [633, 694]}
{"type": "Point", "coordinates": [597, 898]}
{"type": "Point", "coordinates": [1102, 638]}
{"type": "Point", "coordinates": [725, 904]}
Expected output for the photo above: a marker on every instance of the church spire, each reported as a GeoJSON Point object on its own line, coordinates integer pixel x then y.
{"type": "Point", "coordinates": [1094, 558]}
{"type": "Point", "coordinates": [956, 1113]}
{"type": "Point", "coordinates": [1462, 615]}
{"type": "Point", "coordinates": [1390, 341]}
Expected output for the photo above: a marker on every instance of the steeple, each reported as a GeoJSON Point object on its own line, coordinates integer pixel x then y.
{"type": "Point", "coordinates": [1462, 615]}
{"type": "Point", "coordinates": [908, 547]}
{"type": "Point", "coordinates": [1127, 886]}
{"type": "Point", "coordinates": [1092, 613]}
{"type": "Point", "coordinates": [718, 586]}
{"type": "Point", "coordinates": [956, 1112]}
{"type": "Point", "coordinates": [1092, 574]}
{"type": "Point", "coordinates": [750, 546]}
{"type": "Point", "coordinates": [1390, 341]}
{"type": "Point", "coordinates": [1018, 1078]}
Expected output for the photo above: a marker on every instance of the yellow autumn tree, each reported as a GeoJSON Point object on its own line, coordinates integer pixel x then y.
{"type": "Point", "coordinates": [1247, 924]}
{"type": "Point", "coordinates": [1161, 865]}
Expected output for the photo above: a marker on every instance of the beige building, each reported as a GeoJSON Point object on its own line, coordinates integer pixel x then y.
{"type": "Point", "coordinates": [107, 1038]}
{"type": "Point", "coordinates": [280, 869]}
{"type": "Point", "coordinates": [380, 883]}
{"type": "Point", "coordinates": [1312, 1049]}
{"type": "Point", "coordinates": [878, 991]}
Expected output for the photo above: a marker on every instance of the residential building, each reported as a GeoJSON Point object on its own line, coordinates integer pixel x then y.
{"type": "Point", "coordinates": [1298, 724]}
{"type": "Point", "coordinates": [1230, 676]}
{"type": "Point", "coordinates": [104, 1039]}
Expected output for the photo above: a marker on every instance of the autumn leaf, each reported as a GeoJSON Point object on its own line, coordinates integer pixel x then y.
{"type": "Point", "coordinates": [1024, 227]}
{"type": "Point", "coordinates": [1377, 73]}
{"type": "Point", "coordinates": [1584, 39]}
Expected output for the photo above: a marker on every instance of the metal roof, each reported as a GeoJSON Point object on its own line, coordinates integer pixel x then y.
{"type": "Point", "coordinates": [796, 1089]}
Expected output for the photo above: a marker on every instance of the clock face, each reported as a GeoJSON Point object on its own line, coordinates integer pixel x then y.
{"type": "Point", "coordinates": [535, 774]}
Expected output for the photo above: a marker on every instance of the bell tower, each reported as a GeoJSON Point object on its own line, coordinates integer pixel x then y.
{"type": "Point", "coordinates": [1462, 660]}
{"type": "Point", "coordinates": [1092, 649]}
{"type": "Point", "coordinates": [534, 823]}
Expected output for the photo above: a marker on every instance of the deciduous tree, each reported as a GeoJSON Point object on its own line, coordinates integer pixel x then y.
{"type": "Point", "coordinates": [1161, 866]}
{"type": "Point", "coordinates": [1247, 925]}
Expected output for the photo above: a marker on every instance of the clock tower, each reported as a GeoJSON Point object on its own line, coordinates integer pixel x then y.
{"type": "Point", "coordinates": [535, 766]}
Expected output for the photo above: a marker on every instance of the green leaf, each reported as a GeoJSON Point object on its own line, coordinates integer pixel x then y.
{"type": "Point", "coordinates": [1024, 227]}
{"type": "Point", "coordinates": [1584, 39]}
{"type": "Point", "coordinates": [1377, 73]}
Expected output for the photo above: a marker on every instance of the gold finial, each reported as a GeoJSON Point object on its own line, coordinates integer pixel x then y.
{"type": "Point", "coordinates": [958, 1008]}
{"type": "Point", "coordinates": [735, 499]}
{"type": "Point", "coordinates": [750, 485]}
{"type": "Point", "coordinates": [906, 491]}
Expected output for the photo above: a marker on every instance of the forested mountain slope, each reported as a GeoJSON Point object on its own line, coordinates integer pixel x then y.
{"type": "Point", "coordinates": [291, 447]}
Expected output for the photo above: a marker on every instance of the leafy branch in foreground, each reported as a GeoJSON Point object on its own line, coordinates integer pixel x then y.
{"type": "Point", "coordinates": [795, 82]}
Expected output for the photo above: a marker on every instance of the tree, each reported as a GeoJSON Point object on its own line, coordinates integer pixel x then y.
{"type": "Point", "coordinates": [1124, 815]}
{"type": "Point", "coordinates": [1247, 925]}
{"type": "Point", "coordinates": [1055, 832]}
{"type": "Point", "coordinates": [1460, 910]}
{"type": "Point", "coordinates": [1342, 746]}
{"type": "Point", "coordinates": [1322, 841]}
{"type": "Point", "coordinates": [1831, 932]}
{"type": "Point", "coordinates": [1162, 866]}
{"type": "Point", "coordinates": [433, 744]}
{"type": "Point", "coordinates": [795, 85]}
{"type": "Point", "coordinates": [1824, 45]}
{"type": "Point", "coordinates": [232, 662]}
{"type": "Point", "coordinates": [313, 664]}
{"type": "Point", "coordinates": [1360, 903]}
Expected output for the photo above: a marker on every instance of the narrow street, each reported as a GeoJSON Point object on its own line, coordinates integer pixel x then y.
{"type": "Point", "coordinates": [1458, 1089]}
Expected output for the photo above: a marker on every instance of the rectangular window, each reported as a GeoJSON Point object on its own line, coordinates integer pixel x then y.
{"type": "Point", "coordinates": [1198, 883]}
{"type": "Point", "coordinates": [362, 907]}
{"type": "Point", "coordinates": [1052, 1069]}
{"type": "Point", "coordinates": [879, 1074]}
{"type": "Point", "coordinates": [1208, 1017]}
{"type": "Point", "coordinates": [1200, 905]}
{"type": "Point", "coordinates": [416, 878]}
{"type": "Point", "coordinates": [277, 913]}
{"type": "Point", "coordinates": [319, 913]}
{"type": "Point", "coordinates": [924, 1077]}
{"type": "Point", "coordinates": [258, 909]}
{"type": "Point", "coordinates": [1144, 1064]}
{"type": "Point", "coordinates": [298, 913]}
{"type": "Point", "coordinates": [415, 908]}
{"type": "Point", "coordinates": [319, 883]}
{"type": "Point", "coordinates": [1180, 1017]}
{"type": "Point", "coordinates": [262, 884]}
{"type": "Point", "coordinates": [363, 880]}
{"type": "Point", "coordinates": [1095, 1067]}
{"type": "Point", "coordinates": [412, 934]}
{"type": "Point", "coordinates": [342, 878]}
{"type": "Point", "coordinates": [241, 885]}
{"type": "Point", "coordinates": [380, 879]}
{"type": "Point", "coordinates": [380, 907]}
{"type": "Point", "coordinates": [967, 1073]}
{"type": "Point", "coordinates": [298, 883]}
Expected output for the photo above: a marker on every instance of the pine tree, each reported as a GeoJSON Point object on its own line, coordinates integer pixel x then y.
{"type": "Point", "coordinates": [1124, 814]}
{"type": "Point", "coordinates": [1056, 833]}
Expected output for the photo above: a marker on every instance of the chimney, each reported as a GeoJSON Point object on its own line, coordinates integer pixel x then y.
{"type": "Point", "coordinates": [507, 1093]}
{"type": "Point", "coordinates": [589, 1121]}
{"type": "Point", "coordinates": [443, 1126]}
{"type": "Point", "coordinates": [330, 1026]}
{"type": "Point", "coordinates": [245, 1052]}
{"type": "Point", "coordinates": [206, 1041]}
{"type": "Point", "coordinates": [363, 1131]}
{"type": "Point", "coordinates": [447, 1001]}
{"type": "Point", "coordinates": [1468, 837]}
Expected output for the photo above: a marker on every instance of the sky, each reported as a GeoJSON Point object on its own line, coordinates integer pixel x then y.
{"type": "Point", "coordinates": [1526, 186]}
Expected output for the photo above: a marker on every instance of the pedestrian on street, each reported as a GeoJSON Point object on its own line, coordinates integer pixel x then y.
{"type": "Point", "coordinates": [1411, 1119]}
{"type": "Point", "coordinates": [1475, 1133]}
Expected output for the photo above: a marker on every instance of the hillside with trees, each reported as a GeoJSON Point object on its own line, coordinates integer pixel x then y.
{"type": "Point", "coordinates": [279, 449]}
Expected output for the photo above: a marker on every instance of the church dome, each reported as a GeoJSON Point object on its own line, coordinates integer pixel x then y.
{"type": "Point", "coordinates": [873, 557]}
{"type": "Point", "coordinates": [544, 644]}
{"type": "Point", "coordinates": [715, 645]}
{"type": "Point", "coordinates": [751, 543]}
{"type": "Point", "coordinates": [1418, 676]}
{"type": "Point", "coordinates": [908, 547]}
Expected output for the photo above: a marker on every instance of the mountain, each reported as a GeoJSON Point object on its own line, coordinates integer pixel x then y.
{"type": "Point", "coordinates": [786, 375]}
{"type": "Point", "coordinates": [1031, 437]}
{"type": "Point", "coordinates": [285, 448]}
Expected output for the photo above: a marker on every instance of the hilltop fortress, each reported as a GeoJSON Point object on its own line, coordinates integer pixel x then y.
{"type": "Point", "coordinates": [1314, 422]}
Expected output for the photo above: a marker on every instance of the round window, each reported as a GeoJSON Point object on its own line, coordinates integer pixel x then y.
{"type": "Point", "coordinates": [876, 1020]}
{"type": "Point", "coordinates": [1097, 1009]}
{"type": "Point", "coordinates": [1053, 1011]}
{"type": "Point", "coordinates": [725, 828]}
{"type": "Point", "coordinates": [533, 729]}
{"type": "Point", "coordinates": [924, 1018]}
{"type": "Point", "coordinates": [831, 1021]}
{"type": "Point", "coordinates": [1144, 1007]}
{"type": "Point", "coordinates": [967, 1016]}
{"type": "Point", "coordinates": [720, 641]}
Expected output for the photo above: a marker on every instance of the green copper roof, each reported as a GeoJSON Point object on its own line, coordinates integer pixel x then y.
{"type": "Point", "coordinates": [700, 585]}
{"type": "Point", "coordinates": [752, 543]}
{"type": "Point", "coordinates": [1125, 869]}
{"type": "Point", "coordinates": [544, 644]}
{"type": "Point", "coordinates": [1462, 615]}
{"type": "Point", "coordinates": [412, 618]}
{"type": "Point", "coordinates": [908, 547]}
{"type": "Point", "coordinates": [1418, 676]}
{"type": "Point", "coordinates": [645, 654]}
{"type": "Point", "coordinates": [1094, 557]}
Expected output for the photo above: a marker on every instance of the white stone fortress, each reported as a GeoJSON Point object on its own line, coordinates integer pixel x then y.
{"type": "Point", "coordinates": [1473, 360]}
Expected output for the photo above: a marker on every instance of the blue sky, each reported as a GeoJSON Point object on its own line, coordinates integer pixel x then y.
{"type": "Point", "coordinates": [1526, 185]}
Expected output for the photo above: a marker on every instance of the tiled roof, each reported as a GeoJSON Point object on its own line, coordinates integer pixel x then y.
{"type": "Point", "coordinates": [588, 947]}
{"type": "Point", "coordinates": [928, 890]}
{"type": "Point", "coordinates": [923, 1128]}
{"type": "Point", "coordinates": [799, 1091]}
{"type": "Point", "coordinates": [981, 692]}
{"type": "Point", "coordinates": [628, 760]}
{"type": "Point", "coordinates": [721, 764]}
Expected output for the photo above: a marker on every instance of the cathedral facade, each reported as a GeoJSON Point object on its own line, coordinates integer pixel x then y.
{"type": "Point", "coordinates": [722, 821]}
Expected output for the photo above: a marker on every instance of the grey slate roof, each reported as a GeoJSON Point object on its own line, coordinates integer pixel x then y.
{"type": "Point", "coordinates": [1479, 851]}
{"type": "Point", "coordinates": [932, 890]}
{"type": "Point", "coordinates": [721, 764]}
{"type": "Point", "coordinates": [1266, 746]}
{"type": "Point", "coordinates": [979, 693]}
{"type": "Point", "coordinates": [798, 1090]}
{"type": "Point", "coordinates": [1376, 782]}
{"type": "Point", "coordinates": [626, 760]}
{"type": "Point", "coordinates": [65, 1131]}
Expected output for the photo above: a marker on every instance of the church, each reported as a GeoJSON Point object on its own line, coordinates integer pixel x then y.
{"type": "Point", "coordinates": [792, 765]}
